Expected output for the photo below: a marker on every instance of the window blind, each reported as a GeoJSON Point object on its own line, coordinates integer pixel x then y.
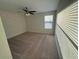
{"type": "Point", "coordinates": [67, 26]}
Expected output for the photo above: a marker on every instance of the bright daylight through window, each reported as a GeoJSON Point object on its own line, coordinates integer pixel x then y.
{"type": "Point", "coordinates": [48, 20]}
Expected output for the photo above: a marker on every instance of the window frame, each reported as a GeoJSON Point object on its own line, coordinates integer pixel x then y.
{"type": "Point", "coordinates": [51, 22]}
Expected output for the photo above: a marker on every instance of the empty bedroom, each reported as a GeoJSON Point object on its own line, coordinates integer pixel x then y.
{"type": "Point", "coordinates": [38, 29]}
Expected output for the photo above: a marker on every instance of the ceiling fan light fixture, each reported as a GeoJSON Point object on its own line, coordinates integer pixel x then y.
{"type": "Point", "coordinates": [28, 14]}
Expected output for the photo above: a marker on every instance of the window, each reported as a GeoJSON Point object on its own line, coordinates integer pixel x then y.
{"type": "Point", "coordinates": [48, 22]}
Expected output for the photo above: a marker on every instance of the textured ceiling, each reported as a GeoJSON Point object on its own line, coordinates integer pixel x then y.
{"type": "Point", "coordinates": [38, 5]}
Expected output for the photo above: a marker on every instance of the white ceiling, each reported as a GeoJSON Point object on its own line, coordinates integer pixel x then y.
{"type": "Point", "coordinates": [37, 5]}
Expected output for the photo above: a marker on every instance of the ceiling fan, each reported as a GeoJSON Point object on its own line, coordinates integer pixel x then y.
{"type": "Point", "coordinates": [28, 12]}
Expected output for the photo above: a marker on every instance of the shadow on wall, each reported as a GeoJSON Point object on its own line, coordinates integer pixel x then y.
{"type": "Point", "coordinates": [64, 4]}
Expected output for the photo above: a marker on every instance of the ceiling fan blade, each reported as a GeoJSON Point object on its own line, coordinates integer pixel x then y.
{"type": "Point", "coordinates": [32, 11]}
{"type": "Point", "coordinates": [25, 10]}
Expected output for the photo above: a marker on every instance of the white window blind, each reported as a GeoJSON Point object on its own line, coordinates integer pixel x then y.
{"type": "Point", "coordinates": [67, 20]}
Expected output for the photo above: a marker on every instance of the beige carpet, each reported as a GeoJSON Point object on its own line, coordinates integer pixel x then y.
{"type": "Point", "coordinates": [33, 46]}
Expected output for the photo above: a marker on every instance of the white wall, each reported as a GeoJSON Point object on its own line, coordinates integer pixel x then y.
{"type": "Point", "coordinates": [36, 23]}
{"type": "Point", "coordinates": [4, 48]}
{"type": "Point", "coordinates": [14, 23]}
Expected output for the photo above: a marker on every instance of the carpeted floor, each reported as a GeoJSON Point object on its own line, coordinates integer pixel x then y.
{"type": "Point", "coordinates": [33, 46]}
